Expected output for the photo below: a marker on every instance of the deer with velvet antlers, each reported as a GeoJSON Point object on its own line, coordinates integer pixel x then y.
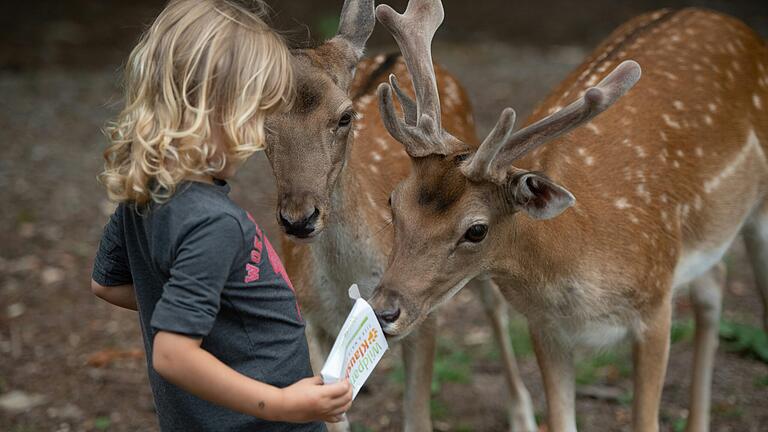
{"type": "Point", "coordinates": [666, 179]}
{"type": "Point", "coordinates": [335, 166]}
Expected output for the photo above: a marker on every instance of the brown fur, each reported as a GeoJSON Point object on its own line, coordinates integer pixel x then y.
{"type": "Point", "coordinates": [665, 173]}
{"type": "Point", "coordinates": [349, 178]}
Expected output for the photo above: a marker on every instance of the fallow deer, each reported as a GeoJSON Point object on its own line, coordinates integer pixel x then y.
{"type": "Point", "coordinates": [335, 166]}
{"type": "Point", "coordinates": [666, 179]}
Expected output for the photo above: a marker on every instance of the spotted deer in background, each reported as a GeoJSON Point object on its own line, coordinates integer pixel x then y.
{"type": "Point", "coordinates": [335, 166]}
{"type": "Point", "coordinates": [665, 180]}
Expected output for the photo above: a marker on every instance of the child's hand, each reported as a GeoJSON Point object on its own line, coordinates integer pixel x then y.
{"type": "Point", "coordinates": [311, 400]}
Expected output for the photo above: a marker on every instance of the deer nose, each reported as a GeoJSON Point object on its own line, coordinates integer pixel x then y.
{"type": "Point", "coordinates": [388, 316]}
{"type": "Point", "coordinates": [302, 226]}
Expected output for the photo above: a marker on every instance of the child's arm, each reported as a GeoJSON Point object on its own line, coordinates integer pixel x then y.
{"type": "Point", "coordinates": [111, 279]}
{"type": "Point", "coordinates": [180, 360]}
{"type": "Point", "coordinates": [120, 295]}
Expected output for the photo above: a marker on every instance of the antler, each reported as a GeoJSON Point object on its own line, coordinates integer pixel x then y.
{"type": "Point", "coordinates": [421, 132]}
{"type": "Point", "coordinates": [502, 147]}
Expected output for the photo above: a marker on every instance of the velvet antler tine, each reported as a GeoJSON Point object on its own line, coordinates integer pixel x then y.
{"type": "Point", "coordinates": [410, 110]}
{"type": "Point", "coordinates": [500, 149]}
{"type": "Point", "coordinates": [389, 118]}
{"type": "Point", "coordinates": [413, 31]}
{"type": "Point", "coordinates": [478, 166]}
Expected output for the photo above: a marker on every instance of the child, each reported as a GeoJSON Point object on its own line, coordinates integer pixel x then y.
{"type": "Point", "coordinates": [223, 333]}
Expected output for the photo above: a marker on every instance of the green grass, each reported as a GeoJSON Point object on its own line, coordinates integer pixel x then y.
{"type": "Point", "coordinates": [102, 423]}
{"type": "Point", "coordinates": [626, 399]}
{"type": "Point", "coordinates": [740, 338]}
{"type": "Point", "coordinates": [678, 425]}
{"type": "Point", "coordinates": [727, 410]}
{"type": "Point", "coordinates": [357, 427]}
{"type": "Point", "coordinates": [744, 339]}
{"type": "Point", "coordinates": [452, 364]}
{"type": "Point", "coordinates": [594, 367]}
{"type": "Point", "coordinates": [682, 331]}
{"type": "Point", "coordinates": [438, 408]}
{"type": "Point", "coordinates": [761, 382]}
{"type": "Point", "coordinates": [521, 341]}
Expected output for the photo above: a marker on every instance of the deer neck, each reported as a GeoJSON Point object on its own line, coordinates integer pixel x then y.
{"type": "Point", "coordinates": [349, 250]}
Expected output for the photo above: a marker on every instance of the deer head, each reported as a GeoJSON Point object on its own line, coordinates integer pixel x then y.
{"type": "Point", "coordinates": [307, 146]}
{"type": "Point", "coordinates": [455, 213]}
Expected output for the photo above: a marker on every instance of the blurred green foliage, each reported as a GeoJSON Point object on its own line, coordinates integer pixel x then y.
{"type": "Point", "coordinates": [326, 26]}
{"type": "Point", "coordinates": [761, 381]}
{"type": "Point", "coordinates": [682, 330]}
{"type": "Point", "coordinates": [745, 339]}
{"type": "Point", "coordinates": [521, 339]}
{"type": "Point", "coordinates": [727, 409]}
{"type": "Point", "coordinates": [438, 408]}
{"type": "Point", "coordinates": [452, 364]}
{"type": "Point", "coordinates": [357, 427]}
{"type": "Point", "coordinates": [595, 367]}
{"type": "Point", "coordinates": [518, 334]}
{"type": "Point", "coordinates": [678, 425]}
{"type": "Point", "coordinates": [102, 423]}
{"type": "Point", "coordinates": [464, 428]}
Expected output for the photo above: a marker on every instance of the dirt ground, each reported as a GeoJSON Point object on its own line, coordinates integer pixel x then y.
{"type": "Point", "coordinates": [73, 363]}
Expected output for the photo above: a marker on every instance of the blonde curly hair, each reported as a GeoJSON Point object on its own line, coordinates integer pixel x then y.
{"type": "Point", "coordinates": [204, 68]}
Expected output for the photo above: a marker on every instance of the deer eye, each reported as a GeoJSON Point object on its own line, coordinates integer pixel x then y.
{"type": "Point", "coordinates": [346, 119]}
{"type": "Point", "coordinates": [476, 233]}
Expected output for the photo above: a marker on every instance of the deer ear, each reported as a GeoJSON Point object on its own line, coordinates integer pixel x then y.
{"type": "Point", "coordinates": [355, 27]}
{"type": "Point", "coordinates": [538, 196]}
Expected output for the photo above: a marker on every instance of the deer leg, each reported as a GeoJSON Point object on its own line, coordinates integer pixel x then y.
{"type": "Point", "coordinates": [418, 357]}
{"type": "Point", "coordinates": [319, 347]}
{"type": "Point", "coordinates": [521, 417]}
{"type": "Point", "coordinates": [706, 297]}
{"type": "Point", "coordinates": [555, 359]}
{"type": "Point", "coordinates": [651, 351]}
{"type": "Point", "coordinates": [755, 234]}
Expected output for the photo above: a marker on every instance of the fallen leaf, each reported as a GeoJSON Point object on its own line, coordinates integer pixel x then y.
{"type": "Point", "coordinates": [106, 357]}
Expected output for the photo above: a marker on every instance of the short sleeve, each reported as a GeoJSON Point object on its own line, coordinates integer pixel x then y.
{"type": "Point", "coordinates": [111, 266]}
{"type": "Point", "coordinates": [198, 273]}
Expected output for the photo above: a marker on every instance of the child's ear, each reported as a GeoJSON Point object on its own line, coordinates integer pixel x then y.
{"type": "Point", "coordinates": [538, 196]}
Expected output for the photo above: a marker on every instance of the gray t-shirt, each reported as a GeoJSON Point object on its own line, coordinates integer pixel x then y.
{"type": "Point", "coordinates": [202, 267]}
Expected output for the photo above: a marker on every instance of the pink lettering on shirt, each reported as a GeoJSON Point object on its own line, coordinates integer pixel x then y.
{"type": "Point", "coordinates": [252, 271]}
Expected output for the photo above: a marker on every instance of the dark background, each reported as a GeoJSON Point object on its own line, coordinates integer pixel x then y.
{"type": "Point", "coordinates": [69, 362]}
{"type": "Point", "coordinates": [99, 33]}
